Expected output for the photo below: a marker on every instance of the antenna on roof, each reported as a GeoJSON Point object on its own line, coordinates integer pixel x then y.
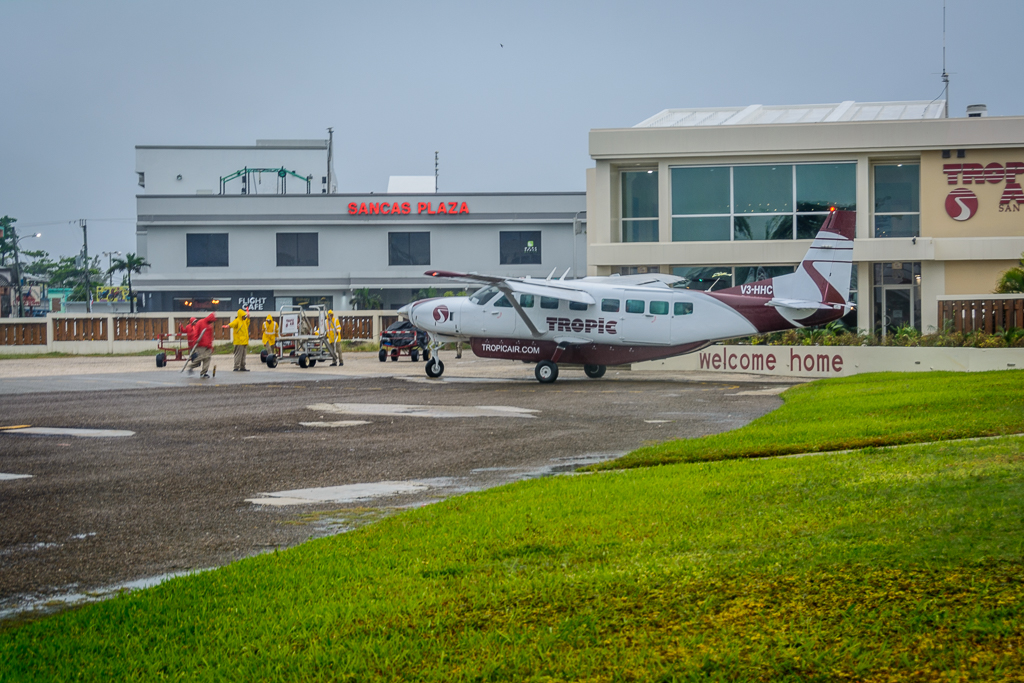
{"type": "Point", "coordinates": [945, 76]}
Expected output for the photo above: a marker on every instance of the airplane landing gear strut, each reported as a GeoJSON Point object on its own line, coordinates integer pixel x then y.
{"type": "Point", "coordinates": [434, 366]}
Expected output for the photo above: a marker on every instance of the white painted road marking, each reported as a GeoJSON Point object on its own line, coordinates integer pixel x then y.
{"type": "Point", "coordinates": [340, 423]}
{"type": "Point", "coordinates": [4, 477]}
{"type": "Point", "coordinates": [340, 494]}
{"type": "Point", "coordinates": [68, 431]}
{"type": "Point", "coordinates": [381, 409]}
{"type": "Point", "coordinates": [772, 391]}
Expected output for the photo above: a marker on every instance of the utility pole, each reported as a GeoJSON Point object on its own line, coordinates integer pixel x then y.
{"type": "Point", "coordinates": [110, 260]}
{"type": "Point", "coordinates": [945, 76]}
{"type": "Point", "coordinates": [85, 265]}
{"type": "Point", "coordinates": [330, 157]}
{"type": "Point", "coordinates": [435, 172]}
{"type": "Point", "coordinates": [17, 266]}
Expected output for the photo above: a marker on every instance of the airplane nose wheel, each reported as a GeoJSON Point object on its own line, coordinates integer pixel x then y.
{"type": "Point", "coordinates": [434, 366]}
{"type": "Point", "coordinates": [546, 372]}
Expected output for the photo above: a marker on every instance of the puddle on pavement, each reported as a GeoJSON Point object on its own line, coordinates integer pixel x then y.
{"type": "Point", "coordinates": [393, 409]}
{"type": "Point", "coordinates": [34, 607]}
{"type": "Point", "coordinates": [67, 431]}
{"type": "Point", "coordinates": [340, 423]}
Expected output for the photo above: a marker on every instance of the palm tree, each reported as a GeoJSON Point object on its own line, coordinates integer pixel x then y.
{"type": "Point", "coordinates": [130, 264]}
{"type": "Point", "coordinates": [1012, 281]}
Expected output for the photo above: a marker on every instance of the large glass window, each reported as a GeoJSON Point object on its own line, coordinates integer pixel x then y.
{"type": "Point", "coordinates": [298, 249]}
{"type": "Point", "coordinates": [763, 202]}
{"type": "Point", "coordinates": [722, 277]}
{"type": "Point", "coordinates": [206, 250]}
{"type": "Point", "coordinates": [898, 200]}
{"type": "Point", "coordinates": [639, 206]}
{"type": "Point", "coordinates": [520, 246]}
{"type": "Point", "coordinates": [408, 248]}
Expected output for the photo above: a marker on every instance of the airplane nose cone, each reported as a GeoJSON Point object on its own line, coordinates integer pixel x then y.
{"type": "Point", "coordinates": [435, 315]}
{"type": "Point", "coordinates": [404, 310]}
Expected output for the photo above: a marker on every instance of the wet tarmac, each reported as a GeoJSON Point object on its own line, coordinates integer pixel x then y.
{"type": "Point", "coordinates": [214, 471]}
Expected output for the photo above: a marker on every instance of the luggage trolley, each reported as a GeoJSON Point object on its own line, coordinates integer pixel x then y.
{"type": "Point", "coordinates": [298, 341]}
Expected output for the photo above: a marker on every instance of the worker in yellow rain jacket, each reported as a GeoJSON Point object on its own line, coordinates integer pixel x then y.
{"type": "Point", "coordinates": [334, 336]}
{"type": "Point", "coordinates": [240, 338]}
{"type": "Point", "coordinates": [269, 334]}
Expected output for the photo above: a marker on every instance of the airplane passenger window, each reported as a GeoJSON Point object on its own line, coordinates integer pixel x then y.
{"type": "Point", "coordinates": [659, 308]}
{"type": "Point", "coordinates": [526, 300]}
{"type": "Point", "coordinates": [683, 308]}
{"type": "Point", "coordinates": [503, 302]}
{"type": "Point", "coordinates": [548, 302]}
{"type": "Point", "coordinates": [576, 306]}
{"type": "Point", "coordinates": [610, 305]}
{"type": "Point", "coordinates": [484, 295]}
{"type": "Point", "coordinates": [634, 306]}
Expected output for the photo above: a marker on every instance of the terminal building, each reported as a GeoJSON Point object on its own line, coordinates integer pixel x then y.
{"type": "Point", "coordinates": [726, 196]}
{"type": "Point", "coordinates": [262, 226]}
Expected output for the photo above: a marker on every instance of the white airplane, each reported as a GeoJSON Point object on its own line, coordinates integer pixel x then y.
{"type": "Point", "coordinates": [600, 321]}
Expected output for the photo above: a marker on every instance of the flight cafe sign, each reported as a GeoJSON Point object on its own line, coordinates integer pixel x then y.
{"type": "Point", "coordinates": [962, 203]}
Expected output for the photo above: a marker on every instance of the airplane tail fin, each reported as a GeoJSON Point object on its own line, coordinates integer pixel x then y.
{"type": "Point", "coordinates": [817, 293]}
{"type": "Point", "coordinates": [821, 282]}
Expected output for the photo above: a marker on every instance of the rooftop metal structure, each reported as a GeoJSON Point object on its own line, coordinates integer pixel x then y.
{"type": "Point", "coordinates": [756, 114]}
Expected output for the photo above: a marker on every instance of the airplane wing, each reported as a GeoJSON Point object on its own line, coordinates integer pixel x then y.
{"type": "Point", "coordinates": [556, 290]}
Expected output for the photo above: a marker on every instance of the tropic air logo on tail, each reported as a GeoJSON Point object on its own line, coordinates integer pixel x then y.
{"type": "Point", "coordinates": [442, 314]}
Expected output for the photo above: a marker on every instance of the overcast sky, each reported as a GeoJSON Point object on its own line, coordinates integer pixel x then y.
{"type": "Point", "coordinates": [84, 82]}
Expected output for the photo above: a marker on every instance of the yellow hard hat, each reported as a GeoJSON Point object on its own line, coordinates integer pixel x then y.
{"type": "Point", "coordinates": [330, 312]}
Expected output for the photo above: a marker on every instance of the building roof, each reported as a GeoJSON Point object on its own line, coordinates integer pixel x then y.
{"type": "Point", "coordinates": [803, 113]}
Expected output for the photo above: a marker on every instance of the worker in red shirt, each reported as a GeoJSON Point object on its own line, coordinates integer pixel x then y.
{"type": "Point", "coordinates": [204, 345]}
{"type": "Point", "coordinates": [189, 330]}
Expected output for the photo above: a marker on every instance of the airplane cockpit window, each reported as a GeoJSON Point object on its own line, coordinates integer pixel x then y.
{"type": "Point", "coordinates": [634, 306]}
{"type": "Point", "coordinates": [484, 295]}
{"type": "Point", "coordinates": [659, 308]}
{"type": "Point", "coordinates": [610, 305]}
{"type": "Point", "coordinates": [503, 302]}
{"type": "Point", "coordinates": [683, 308]}
{"type": "Point", "coordinates": [548, 302]}
{"type": "Point", "coordinates": [577, 306]}
{"type": "Point", "coordinates": [526, 300]}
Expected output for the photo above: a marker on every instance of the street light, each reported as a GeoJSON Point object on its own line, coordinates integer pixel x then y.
{"type": "Point", "coordinates": [17, 265]}
{"type": "Point", "coordinates": [110, 272]}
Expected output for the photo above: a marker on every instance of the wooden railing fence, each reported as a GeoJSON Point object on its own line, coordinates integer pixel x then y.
{"type": "Point", "coordinates": [22, 334]}
{"type": "Point", "coordinates": [982, 315]}
{"type": "Point", "coordinates": [79, 329]}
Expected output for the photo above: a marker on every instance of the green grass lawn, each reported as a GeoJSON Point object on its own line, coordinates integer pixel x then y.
{"type": "Point", "coordinates": [894, 564]}
{"type": "Point", "coordinates": [856, 412]}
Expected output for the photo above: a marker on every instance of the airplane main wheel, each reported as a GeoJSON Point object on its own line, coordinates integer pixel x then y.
{"type": "Point", "coordinates": [382, 355]}
{"type": "Point", "coordinates": [414, 356]}
{"type": "Point", "coordinates": [435, 368]}
{"type": "Point", "coordinates": [303, 361]}
{"type": "Point", "coordinates": [594, 371]}
{"type": "Point", "coordinates": [546, 372]}
{"type": "Point", "coordinates": [271, 361]}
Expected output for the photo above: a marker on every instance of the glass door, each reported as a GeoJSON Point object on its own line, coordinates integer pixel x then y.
{"type": "Point", "coordinates": [898, 308]}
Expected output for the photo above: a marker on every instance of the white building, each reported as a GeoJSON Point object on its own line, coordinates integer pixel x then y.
{"type": "Point", "coordinates": [275, 244]}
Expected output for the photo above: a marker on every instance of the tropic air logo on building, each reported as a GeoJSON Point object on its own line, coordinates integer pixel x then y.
{"type": "Point", "coordinates": [442, 314]}
{"type": "Point", "coordinates": [962, 203]}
